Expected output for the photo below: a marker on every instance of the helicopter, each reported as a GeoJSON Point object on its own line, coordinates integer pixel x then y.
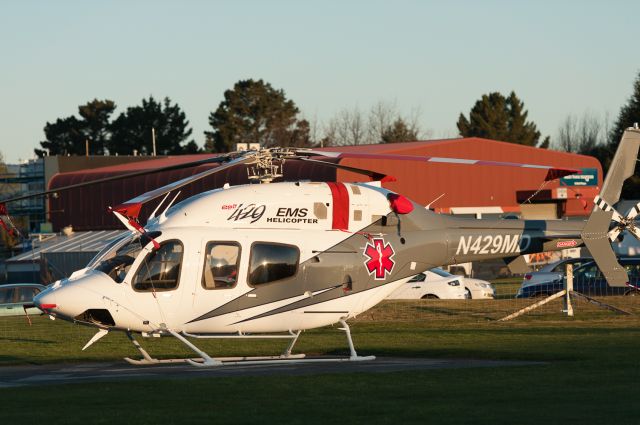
{"type": "Point", "coordinates": [272, 260]}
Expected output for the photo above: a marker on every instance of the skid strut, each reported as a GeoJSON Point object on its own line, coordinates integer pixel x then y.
{"type": "Point", "coordinates": [204, 360]}
{"type": "Point", "coordinates": [353, 355]}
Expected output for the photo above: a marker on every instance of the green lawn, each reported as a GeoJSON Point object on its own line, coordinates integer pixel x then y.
{"type": "Point", "coordinates": [591, 376]}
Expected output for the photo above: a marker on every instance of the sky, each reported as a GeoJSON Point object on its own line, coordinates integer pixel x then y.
{"type": "Point", "coordinates": [560, 57]}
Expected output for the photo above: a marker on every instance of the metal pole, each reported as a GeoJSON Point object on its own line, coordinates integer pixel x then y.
{"type": "Point", "coordinates": [86, 147]}
{"type": "Point", "coordinates": [568, 308]}
{"type": "Point", "coordinates": [153, 139]}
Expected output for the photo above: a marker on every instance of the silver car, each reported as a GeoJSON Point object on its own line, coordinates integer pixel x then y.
{"type": "Point", "coordinates": [14, 297]}
{"type": "Point", "coordinates": [552, 271]}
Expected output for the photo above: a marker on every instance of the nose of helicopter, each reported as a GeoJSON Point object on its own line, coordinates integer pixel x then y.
{"type": "Point", "coordinates": [46, 300]}
{"type": "Point", "coordinates": [68, 299]}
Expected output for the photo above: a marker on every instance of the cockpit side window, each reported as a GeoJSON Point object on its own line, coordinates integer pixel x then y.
{"type": "Point", "coordinates": [104, 252]}
{"type": "Point", "coordinates": [160, 269]}
{"type": "Point", "coordinates": [222, 260]}
{"type": "Point", "coordinates": [272, 261]}
{"type": "Point", "coordinates": [116, 259]}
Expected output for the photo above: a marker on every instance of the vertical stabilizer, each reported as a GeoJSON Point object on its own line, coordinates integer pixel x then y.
{"type": "Point", "coordinates": [596, 232]}
{"type": "Point", "coordinates": [622, 166]}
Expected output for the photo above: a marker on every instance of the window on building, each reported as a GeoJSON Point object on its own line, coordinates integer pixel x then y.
{"type": "Point", "coordinates": [160, 269]}
{"type": "Point", "coordinates": [270, 262]}
{"type": "Point", "coordinates": [221, 265]}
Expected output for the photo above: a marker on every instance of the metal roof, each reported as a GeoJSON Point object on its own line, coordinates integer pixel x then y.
{"type": "Point", "coordinates": [91, 241]}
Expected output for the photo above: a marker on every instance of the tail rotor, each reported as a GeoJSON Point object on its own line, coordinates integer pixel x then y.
{"type": "Point", "coordinates": [598, 233]}
{"type": "Point", "coordinates": [622, 223]}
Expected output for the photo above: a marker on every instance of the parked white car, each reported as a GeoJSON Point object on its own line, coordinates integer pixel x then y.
{"type": "Point", "coordinates": [479, 289]}
{"type": "Point", "coordinates": [434, 284]}
{"type": "Point", "coordinates": [14, 297]}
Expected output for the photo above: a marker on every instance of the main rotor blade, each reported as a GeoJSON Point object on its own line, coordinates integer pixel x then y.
{"type": "Point", "coordinates": [552, 172]}
{"type": "Point", "coordinates": [372, 174]}
{"type": "Point", "coordinates": [217, 159]}
{"type": "Point", "coordinates": [131, 208]}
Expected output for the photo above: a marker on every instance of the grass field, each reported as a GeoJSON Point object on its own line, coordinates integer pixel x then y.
{"type": "Point", "coordinates": [591, 374]}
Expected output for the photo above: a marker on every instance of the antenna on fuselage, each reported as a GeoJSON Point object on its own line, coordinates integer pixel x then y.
{"type": "Point", "coordinates": [433, 202]}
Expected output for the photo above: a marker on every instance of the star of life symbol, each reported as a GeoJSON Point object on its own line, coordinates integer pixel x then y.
{"type": "Point", "coordinates": [379, 262]}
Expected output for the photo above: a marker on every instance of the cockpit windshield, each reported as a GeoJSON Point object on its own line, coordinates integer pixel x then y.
{"type": "Point", "coordinates": [116, 259]}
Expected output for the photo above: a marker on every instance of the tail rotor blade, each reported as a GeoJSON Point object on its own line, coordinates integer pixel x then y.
{"type": "Point", "coordinates": [613, 234]}
{"type": "Point", "coordinates": [604, 206]}
{"type": "Point", "coordinates": [634, 231]}
{"type": "Point", "coordinates": [633, 212]}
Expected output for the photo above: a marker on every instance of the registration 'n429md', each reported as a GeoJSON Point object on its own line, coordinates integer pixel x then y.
{"type": "Point", "coordinates": [493, 244]}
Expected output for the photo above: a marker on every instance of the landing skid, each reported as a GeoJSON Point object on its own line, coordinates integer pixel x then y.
{"type": "Point", "coordinates": [204, 360]}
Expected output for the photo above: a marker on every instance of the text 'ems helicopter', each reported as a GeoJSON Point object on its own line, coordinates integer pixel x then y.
{"type": "Point", "coordinates": [271, 260]}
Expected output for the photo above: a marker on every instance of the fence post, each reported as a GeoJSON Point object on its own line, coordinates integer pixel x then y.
{"type": "Point", "coordinates": [568, 289]}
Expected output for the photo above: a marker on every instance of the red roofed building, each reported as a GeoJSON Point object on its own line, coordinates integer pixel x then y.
{"type": "Point", "coordinates": [449, 188]}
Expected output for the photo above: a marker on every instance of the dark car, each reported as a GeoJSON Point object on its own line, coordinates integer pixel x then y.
{"type": "Point", "coordinates": [588, 280]}
{"type": "Point", "coordinates": [14, 297]}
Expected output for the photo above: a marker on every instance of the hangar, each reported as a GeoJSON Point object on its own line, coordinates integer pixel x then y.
{"type": "Point", "coordinates": [452, 189]}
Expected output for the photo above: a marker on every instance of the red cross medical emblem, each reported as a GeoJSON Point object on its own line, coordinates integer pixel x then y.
{"type": "Point", "coordinates": [379, 262]}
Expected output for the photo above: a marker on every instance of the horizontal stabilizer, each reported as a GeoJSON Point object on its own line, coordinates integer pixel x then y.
{"type": "Point", "coordinates": [517, 265]}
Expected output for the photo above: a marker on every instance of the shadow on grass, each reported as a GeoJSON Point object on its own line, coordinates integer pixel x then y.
{"type": "Point", "coordinates": [34, 341]}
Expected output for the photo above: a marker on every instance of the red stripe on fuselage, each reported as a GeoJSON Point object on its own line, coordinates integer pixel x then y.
{"type": "Point", "coordinates": [340, 197]}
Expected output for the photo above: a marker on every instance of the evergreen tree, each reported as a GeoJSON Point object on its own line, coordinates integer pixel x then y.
{"type": "Point", "coordinates": [68, 136]}
{"type": "Point", "coordinates": [399, 131]}
{"type": "Point", "coordinates": [628, 116]}
{"type": "Point", "coordinates": [63, 137]}
{"type": "Point", "coordinates": [132, 130]}
{"type": "Point", "coordinates": [95, 124]}
{"type": "Point", "coordinates": [499, 118]}
{"type": "Point", "coordinates": [255, 112]}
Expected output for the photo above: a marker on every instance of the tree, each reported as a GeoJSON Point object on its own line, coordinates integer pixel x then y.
{"type": "Point", "coordinates": [381, 117]}
{"type": "Point", "coordinates": [582, 135]}
{"type": "Point", "coordinates": [353, 127]}
{"type": "Point", "coordinates": [63, 137]}
{"type": "Point", "coordinates": [499, 118]}
{"type": "Point", "coordinates": [69, 136]}
{"type": "Point", "coordinates": [628, 116]}
{"type": "Point", "coordinates": [132, 130]}
{"type": "Point", "coordinates": [348, 127]}
{"type": "Point", "coordinates": [255, 112]}
{"type": "Point", "coordinates": [399, 131]}
{"type": "Point", "coordinates": [95, 124]}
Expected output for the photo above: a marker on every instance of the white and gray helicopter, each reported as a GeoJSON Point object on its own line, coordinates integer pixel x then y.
{"type": "Point", "coordinates": [272, 260]}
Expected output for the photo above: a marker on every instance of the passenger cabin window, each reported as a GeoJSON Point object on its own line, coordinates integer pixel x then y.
{"type": "Point", "coordinates": [160, 269]}
{"type": "Point", "coordinates": [270, 262]}
{"type": "Point", "coordinates": [221, 265]}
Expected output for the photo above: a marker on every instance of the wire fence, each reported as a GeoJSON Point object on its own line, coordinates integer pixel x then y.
{"type": "Point", "coordinates": [623, 302]}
